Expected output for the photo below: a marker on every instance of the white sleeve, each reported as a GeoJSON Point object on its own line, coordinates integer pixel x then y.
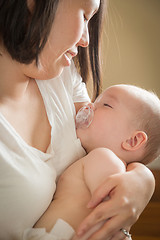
{"type": "Point", "coordinates": [61, 231]}
{"type": "Point", "coordinates": [38, 234]}
{"type": "Point", "coordinates": [80, 93]}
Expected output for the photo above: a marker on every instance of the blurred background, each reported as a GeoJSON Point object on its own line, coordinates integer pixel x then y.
{"type": "Point", "coordinates": [131, 45]}
{"type": "Point", "coordinates": [131, 54]}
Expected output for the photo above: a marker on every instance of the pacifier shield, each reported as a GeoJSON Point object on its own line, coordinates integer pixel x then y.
{"type": "Point", "coordinates": [84, 117]}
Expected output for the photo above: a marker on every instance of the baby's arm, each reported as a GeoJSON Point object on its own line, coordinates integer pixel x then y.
{"type": "Point", "coordinates": [100, 164]}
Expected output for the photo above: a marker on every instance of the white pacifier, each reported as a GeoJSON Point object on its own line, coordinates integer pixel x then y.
{"type": "Point", "coordinates": [84, 117]}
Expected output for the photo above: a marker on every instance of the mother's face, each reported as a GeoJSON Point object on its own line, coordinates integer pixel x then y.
{"type": "Point", "coordinates": [69, 30]}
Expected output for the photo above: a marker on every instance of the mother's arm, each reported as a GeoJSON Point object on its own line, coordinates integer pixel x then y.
{"type": "Point", "coordinates": [129, 193]}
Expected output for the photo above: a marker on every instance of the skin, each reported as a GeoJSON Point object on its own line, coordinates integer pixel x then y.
{"type": "Point", "coordinates": [126, 215]}
{"type": "Point", "coordinates": [74, 29]}
{"type": "Point", "coordinates": [78, 183]}
{"type": "Point", "coordinates": [17, 86]}
{"type": "Point", "coordinates": [114, 117]}
{"type": "Point", "coordinates": [18, 91]}
{"type": "Point", "coordinates": [76, 186]}
{"type": "Point", "coordinates": [115, 124]}
{"type": "Point", "coordinates": [111, 122]}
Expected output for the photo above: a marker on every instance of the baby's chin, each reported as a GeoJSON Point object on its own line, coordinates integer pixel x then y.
{"type": "Point", "coordinates": [81, 134]}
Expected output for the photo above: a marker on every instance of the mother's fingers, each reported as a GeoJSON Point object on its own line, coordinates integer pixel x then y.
{"type": "Point", "coordinates": [109, 229]}
{"type": "Point", "coordinates": [106, 232]}
{"type": "Point", "coordinates": [100, 213]}
{"type": "Point", "coordinates": [102, 192]}
{"type": "Point", "coordinates": [108, 211]}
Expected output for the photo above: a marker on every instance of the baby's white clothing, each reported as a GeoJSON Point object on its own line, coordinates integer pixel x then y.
{"type": "Point", "coordinates": [27, 175]}
{"type": "Point", "coordinates": [61, 231]}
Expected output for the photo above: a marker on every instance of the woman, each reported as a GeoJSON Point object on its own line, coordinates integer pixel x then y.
{"type": "Point", "coordinates": [38, 40]}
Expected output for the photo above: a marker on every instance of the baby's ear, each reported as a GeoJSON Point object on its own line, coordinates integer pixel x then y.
{"type": "Point", "coordinates": [135, 142]}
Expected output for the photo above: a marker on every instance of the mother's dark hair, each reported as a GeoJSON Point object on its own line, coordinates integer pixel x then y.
{"type": "Point", "coordinates": [89, 58]}
{"type": "Point", "coordinates": [24, 34]}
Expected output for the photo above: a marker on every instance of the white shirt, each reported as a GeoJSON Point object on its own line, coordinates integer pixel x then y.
{"type": "Point", "coordinates": [27, 175]}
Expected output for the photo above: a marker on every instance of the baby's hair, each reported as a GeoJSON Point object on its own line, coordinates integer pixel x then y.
{"type": "Point", "coordinates": [152, 128]}
{"type": "Point", "coordinates": [148, 120]}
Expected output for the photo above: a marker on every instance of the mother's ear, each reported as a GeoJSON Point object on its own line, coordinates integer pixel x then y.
{"type": "Point", "coordinates": [135, 142]}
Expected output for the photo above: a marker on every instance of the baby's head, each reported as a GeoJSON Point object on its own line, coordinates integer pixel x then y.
{"type": "Point", "coordinates": [145, 111]}
{"type": "Point", "coordinates": [126, 120]}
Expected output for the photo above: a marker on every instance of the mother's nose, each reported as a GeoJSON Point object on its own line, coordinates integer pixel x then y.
{"type": "Point", "coordinates": [84, 41]}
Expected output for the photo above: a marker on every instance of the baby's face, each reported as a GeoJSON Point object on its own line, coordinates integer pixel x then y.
{"type": "Point", "coordinates": [112, 119]}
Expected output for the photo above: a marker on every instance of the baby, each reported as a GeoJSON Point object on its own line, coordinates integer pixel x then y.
{"type": "Point", "coordinates": [120, 127]}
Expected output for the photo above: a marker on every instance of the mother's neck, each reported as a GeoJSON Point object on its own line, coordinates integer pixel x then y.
{"type": "Point", "coordinates": [13, 82]}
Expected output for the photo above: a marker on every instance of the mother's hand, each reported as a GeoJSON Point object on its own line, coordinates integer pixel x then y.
{"type": "Point", "coordinates": [128, 194]}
